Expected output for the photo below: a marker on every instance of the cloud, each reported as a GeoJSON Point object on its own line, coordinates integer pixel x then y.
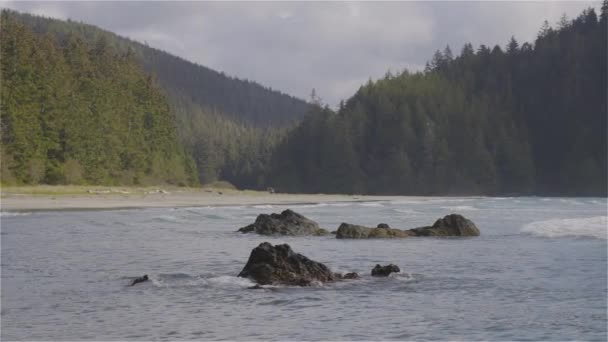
{"type": "Point", "coordinates": [333, 47]}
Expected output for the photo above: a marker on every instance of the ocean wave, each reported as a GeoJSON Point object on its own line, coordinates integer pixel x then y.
{"type": "Point", "coordinates": [460, 207]}
{"type": "Point", "coordinates": [170, 218]}
{"type": "Point", "coordinates": [405, 211]}
{"type": "Point", "coordinates": [13, 213]}
{"type": "Point", "coordinates": [371, 204]}
{"type": "Point", "coordinates": [594, 227]}
{"type": "Point", "coordinates": [264, 206]}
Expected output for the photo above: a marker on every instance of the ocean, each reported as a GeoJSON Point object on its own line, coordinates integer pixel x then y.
{"type": "Point", "coordinates": [537, 272]}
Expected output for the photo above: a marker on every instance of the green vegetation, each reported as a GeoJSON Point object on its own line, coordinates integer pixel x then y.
{"type": "Point", "coordinates": [78, 108]}
{"type": "Point", "coordinates": [527, 120]}
{"type": "Point", "coordinates": [228, 126]}
{"type": "Point", "coordinates": [77, 113]}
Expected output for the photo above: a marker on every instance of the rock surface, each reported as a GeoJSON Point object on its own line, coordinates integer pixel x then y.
{"type": "Point", "coordinates": [450, 225]}
{"type": "Point", "coordinates": [352, 231]}
{"type": "Point", "coordinates": [280, 265]}
{"type": "Point", "coordinates": [384, 271]}
{"type": "Point", "coordinates": [286, 223]}
{"type": "Point", "coordinates": [351, 275]}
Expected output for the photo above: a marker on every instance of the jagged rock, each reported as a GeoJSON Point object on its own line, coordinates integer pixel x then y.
{"type": "Point", "coordinates": [351, 231]}
{"type": "Point", "coordinates": [279, 264]}
{"type": "Point", "coordinates": [450, 225]}
{"type": "Point", "coordinates": [351, 275]}
{"type": "Point", "coordinates": [140, 279]}
{"type": "Point", "coordinates": [286, 223]}
{"type": "Point", "coordinates": [384, 271]}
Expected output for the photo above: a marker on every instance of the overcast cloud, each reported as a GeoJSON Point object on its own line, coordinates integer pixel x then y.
{"type": "Point", "coordinates": [333, 47]}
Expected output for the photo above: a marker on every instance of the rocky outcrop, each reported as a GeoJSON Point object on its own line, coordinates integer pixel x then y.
{"type": "Point", "coordinates": [384, 271]}
{"type": "Point", "coordinates": [450, 225]}
{"type": "Point", "coordinates": [351, 231]}
{"type": "Point", "coordinates": [280, 265]}
{"type": "Point", "coordinates": [138, 280]}
{"type": "Point", "coordinates": [286, 223]}
{"type": "Point", "coordinates": [351, 275]}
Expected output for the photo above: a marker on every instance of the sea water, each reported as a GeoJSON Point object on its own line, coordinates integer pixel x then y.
{"type": "Point", "coordinates": [537, 272]}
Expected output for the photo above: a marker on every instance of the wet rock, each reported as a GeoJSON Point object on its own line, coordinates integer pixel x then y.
{"type": "Point", "coordinates": [140, 280]}
{"type": "Point", "coordinates": [351, 275]}
{"type": "Point", "coordinates": [384, 271]}
{"type": "Point", "coordinates": [280, 265]}
{"type": "Point", "coordinates": [286, 223]}
{"type": "Point", "coordinates": [450, 225]}
{"type": "Point", "coordinates": [351, 231]}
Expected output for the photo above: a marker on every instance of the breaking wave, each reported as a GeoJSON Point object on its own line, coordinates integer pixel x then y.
{"type": "Point", "coordinates": [460, 207]}
{"type": "Point", "coordinates": [594, 227]}
{"type": "Point", "coordinates": [12, 214]}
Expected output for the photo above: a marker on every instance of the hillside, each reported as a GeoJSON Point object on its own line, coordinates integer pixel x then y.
{"type": "Point", "coordinates": [80, 114]}
{"type": "Point", "coordinates": [241, 100]}
{"type": "Point", "coordinates": [229, 127]}
{"type": "Point", "coordinates": [530, 119]}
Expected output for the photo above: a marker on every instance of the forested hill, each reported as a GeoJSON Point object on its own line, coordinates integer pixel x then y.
{"type": "Point", "coordinates": [76, 113]}
{"type": "Point", "coordinates": [243, 100]}
{"type": "Point", "coordinates": [526, 119]}
{"type": "Point", "coordinates": [228, 127]}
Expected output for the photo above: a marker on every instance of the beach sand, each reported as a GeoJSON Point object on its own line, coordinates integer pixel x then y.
{"type": "Point", "coordinates": [82, 198]}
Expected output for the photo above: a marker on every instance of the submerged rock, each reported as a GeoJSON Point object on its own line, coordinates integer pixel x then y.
{"type": "Point", "coordinates": [384, 271]}
{"type": "Point", "coordinates": [450, 225]}
{"type": "Point", "coordinates": [280, 265]}
{"type": "Point", "coordinates": [351, 275]}
{"type": "Point", "coordinates": [286, 223]}
{"type": "Point", "coordinates": [140, 280]}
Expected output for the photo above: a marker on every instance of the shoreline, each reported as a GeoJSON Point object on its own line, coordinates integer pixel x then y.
{"type": "Point", "coordinates": [83, 199]}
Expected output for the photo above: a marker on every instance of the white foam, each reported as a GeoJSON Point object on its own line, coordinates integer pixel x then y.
{"type": "Point", "coordinates": [460, 207]}
{"type": "Point", "coordinates": [594, 227]}
{"type": "Point", "coordinates": [405, 211]}
{"type": "Point", "coordinates": [230, 281]}
{"type": "Point", "coordinates": [262, 206]}
{"type": "Point", "coordinates": [12, 214]}
{"type": "Point", "coordinates": [371, 204]}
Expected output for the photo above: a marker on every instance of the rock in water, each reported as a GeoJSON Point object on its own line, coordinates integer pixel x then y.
{"type": "Point", "coordinates": [450, 225]}
{"type": "Point", "coordinates": [280, 265]}
{"type": "Point", "coordinates": [139, 280]}
{"type": "Point", "coordinates": [351, 231]}
{"type": "Point", "coordinates": [384, 271]}
{"type": "Point", "coordinates": [286, 223]}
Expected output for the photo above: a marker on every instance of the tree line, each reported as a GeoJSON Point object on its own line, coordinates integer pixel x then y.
{"type": "Point", "coordinates": [84, 106]}
{"type": "Point", "coordinates": [524, 119]}
{"type": "Point", "coordinates": [82, 114]}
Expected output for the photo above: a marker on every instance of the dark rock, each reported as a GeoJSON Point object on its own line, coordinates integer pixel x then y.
{"type": "Point", "coordinates": [384, 271]}
{"type": "Point", "coordinates": [140, 280]}
{"type": "Point", "coordinates": [286, 223]}
{"type": "Point", "coordinates": [351, 231]}
{"type": "Point", "coordinates": [450, 225]}
{"type": "Point", "coordinates": [351, 275]}
{"type": "Point", "coordinates": [279, 264]}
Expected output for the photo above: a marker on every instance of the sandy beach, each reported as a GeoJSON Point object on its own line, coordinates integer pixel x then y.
{"type": "Point", "coordinates": [83, 198]}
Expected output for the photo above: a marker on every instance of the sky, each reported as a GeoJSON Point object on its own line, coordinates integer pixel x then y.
{"type": "Point", "coordinates": [333, 47]}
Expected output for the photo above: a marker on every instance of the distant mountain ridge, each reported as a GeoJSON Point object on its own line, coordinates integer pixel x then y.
{"type": "Point", "coordinates": [241, 100]}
